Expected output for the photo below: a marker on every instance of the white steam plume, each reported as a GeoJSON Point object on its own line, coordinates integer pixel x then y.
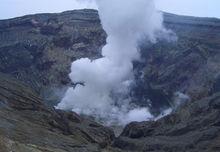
{"type": "Point", "coordinates": [106, 81]}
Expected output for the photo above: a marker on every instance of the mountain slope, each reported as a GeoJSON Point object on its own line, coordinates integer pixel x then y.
{"type": "Point", "coordinates": [38, 50]}
{"type": "Point", "coordinates": [28, 125]}
{"type": "Point", "coordinates": [195, 127]}
{"type": "Point", "coordinates": [189, 65]}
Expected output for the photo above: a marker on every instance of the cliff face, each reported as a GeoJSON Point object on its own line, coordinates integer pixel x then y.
{"type": "Point", "coordinates": [39, 49]}
{"type": "Point", "coordinates": [36, 52]}
{"type": "Point", "coordinates": [192, 66]}
{"type": "Point", "coordinates": [194, 127]}
{"type": "Point", "coordinates": [28, 125]}
{"type": "Point", "coordinates": [189, 65]}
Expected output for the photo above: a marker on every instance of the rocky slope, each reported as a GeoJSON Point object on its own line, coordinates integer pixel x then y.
{"type": "Point", "coordinates": [28, 125]}
{"type": "Point", "coordinates": [189, 65]}
{"type": "Point", "coordinates": [38, 50]}
{"type": "Point", "coordinates": [195, 127]}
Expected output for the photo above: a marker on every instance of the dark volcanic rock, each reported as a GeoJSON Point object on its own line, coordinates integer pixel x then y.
{"type": "Point", "coordinates": [28, 125]}
{"type": "Point", "coordinates": [38, 49]}
{"type": "Point", "coordinates": [189, 65]}
{"type": "Point", "coordinates": [195, 127]}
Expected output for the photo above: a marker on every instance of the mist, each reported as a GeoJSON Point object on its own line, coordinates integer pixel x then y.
{"type": "Point", "coordinates": [103, 84]}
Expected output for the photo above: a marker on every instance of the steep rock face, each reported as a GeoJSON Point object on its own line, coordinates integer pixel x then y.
{"type": "Point", "coordinates": [195, 127]}
{"type": "Point", "coordinates": [28, 125]}
{"type": "Point", "coordinates": [189, 65]}
{"type": "Point", "coordinates": [39, 49]}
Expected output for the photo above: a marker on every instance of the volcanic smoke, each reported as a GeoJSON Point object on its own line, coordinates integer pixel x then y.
{"type": "Point", "coordinates": [104, 83]}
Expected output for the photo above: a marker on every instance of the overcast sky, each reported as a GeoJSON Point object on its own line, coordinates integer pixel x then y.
{"type": "Point", "coordinates": [14, 8]}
